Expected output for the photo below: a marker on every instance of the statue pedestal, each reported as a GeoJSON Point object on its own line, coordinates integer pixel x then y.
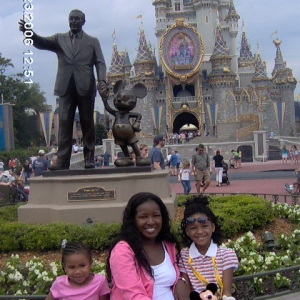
{"type": "Point", "coordinates": [101, 197]}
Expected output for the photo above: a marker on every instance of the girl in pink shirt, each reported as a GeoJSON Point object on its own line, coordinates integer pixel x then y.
{"type": "Point", "coordinates": [78, 283]}
{"type": "Point", "coordinates": [142, 263]}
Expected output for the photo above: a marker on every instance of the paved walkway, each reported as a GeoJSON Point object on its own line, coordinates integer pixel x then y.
{"type": "Point", "coordinates": [261, 186]}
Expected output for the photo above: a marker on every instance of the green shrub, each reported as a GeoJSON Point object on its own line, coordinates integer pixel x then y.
{"type": "Point", "coordinates": [9, 213]}
{"type": "Point", "coordinates": [236, 213]}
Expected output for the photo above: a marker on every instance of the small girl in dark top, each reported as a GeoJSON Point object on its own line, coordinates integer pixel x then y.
{"type": "Point", "coordinates": [218, 158]}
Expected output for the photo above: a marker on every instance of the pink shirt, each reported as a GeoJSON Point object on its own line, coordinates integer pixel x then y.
{"type": "Point", "coordinates": [130, 281]}
{"type": "Point", "coordinates": [62, 290]}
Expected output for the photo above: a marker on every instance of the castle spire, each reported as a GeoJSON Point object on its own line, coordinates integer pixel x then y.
{"type": "Point", "coordinates": [260, 72]}
{"type": "Point", "coordinates": [220, 47]}
{"type": "Point", "coordinates": [232, 14]}
{"type": "Point", "coordinates": [245, 51]}
{"type": "Point", "coordinates": [117, 62]}
{"type": "Point", "coordinates": [144, 51]}
{"type": "Point", "coordinates": [279, 62]}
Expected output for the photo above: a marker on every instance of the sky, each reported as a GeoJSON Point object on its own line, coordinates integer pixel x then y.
{"type": "Point", "coordinates": [261, 18]}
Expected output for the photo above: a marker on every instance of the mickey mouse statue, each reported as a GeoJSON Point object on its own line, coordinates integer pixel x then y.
{"type": "Point", "coordinates": [123, 131]}
{"type": "Point", "coordinates": [209, 293]}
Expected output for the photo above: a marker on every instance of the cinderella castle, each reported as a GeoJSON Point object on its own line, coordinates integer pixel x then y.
{"type": "Point", "coordinates": [201, 79]}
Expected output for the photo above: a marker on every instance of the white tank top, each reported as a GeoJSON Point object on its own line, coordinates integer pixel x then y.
{"type": "Point", "coordinates": [164, 279]}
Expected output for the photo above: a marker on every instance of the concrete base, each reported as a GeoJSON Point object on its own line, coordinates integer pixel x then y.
{"type": "Point", "coordinates": [49, 199]}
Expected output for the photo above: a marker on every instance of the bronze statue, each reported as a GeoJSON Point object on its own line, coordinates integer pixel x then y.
{"type": "Point", "coordinates": [123, 131]}
{"type": "Point", "coordinates": [77, 53]}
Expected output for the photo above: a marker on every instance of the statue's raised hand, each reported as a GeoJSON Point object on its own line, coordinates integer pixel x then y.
{"type": "Point", "coordinates": [22, 25]}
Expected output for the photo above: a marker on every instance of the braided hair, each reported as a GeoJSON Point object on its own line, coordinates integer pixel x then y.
{"type": "Point", "coordinates": [199, 205]}
{"type": "Point", "coordinates": [130, 234]}
{"type": "Point", "coordinates": [69, 248]}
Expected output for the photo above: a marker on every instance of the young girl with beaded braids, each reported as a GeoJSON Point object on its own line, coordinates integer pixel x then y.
{"type": "Point", "coordinates": [205, 261]}
{"type": "Point", "coordinates": [78, 283]}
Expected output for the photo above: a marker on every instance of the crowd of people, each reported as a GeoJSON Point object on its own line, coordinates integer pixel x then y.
{"type": "Point", "coordinates": [199, 166]}
{"type": "Point", "coordinates": [146, 261]}
{"type": "Point", "coordinates": [291, 154]}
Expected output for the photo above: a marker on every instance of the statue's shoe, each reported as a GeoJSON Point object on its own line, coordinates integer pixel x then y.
{"type": "Point", "coordinates": [89, 165]}
{"type": "Point", "coordinates": [143, 161]}
{"type": "Point", "coordinates": [124, 162]}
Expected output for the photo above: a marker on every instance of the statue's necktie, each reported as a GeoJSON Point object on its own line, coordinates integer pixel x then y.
{"type": "Point", "coordinates": [74, 42]}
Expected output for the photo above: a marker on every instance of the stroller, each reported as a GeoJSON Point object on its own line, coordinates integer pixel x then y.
{"type": "Point", "coordinates": [18, 193]}
{"type": "Point", "coordinates": [225, 179]}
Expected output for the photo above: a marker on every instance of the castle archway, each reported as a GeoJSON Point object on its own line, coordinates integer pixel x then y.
{"type": "Point", "coordinates": [184, 118]}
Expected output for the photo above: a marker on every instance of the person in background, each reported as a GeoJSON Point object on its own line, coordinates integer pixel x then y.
{"type": "Point", "coordinates": [240, 159]}
{"type": "Point", "coordinates": [292, 154]}
{"type": "Point", "coordinates": [178, 161]}
{"type": "Point", "coordinates": [12, 164]}
{"type": "Point", "coordinates": [106, 157]}
{"type": "Point", "coordinates": [26, 170]}
{"type": "Point", "coordinates": [235, 157]}
{"type": "Point", "coordinates": [1, 166]}
{"type": "Point", "coordinates": [201, 168]}
{"type": "Point", "coordinates": [173, 163]}
{"type": "Point", "coordinates": [296, 152]}
{"type": "Point", "coordinates": [142, 264]}
{"type": "Point", "coordinates": [184, 177]}
{"type": "Point", "coordinates": [155, 154]}
{"type": "Point", "coordinates": [219, 160]}
{"type": "Point", "coordinates": [144, 150]}
{"type": "Point", "coordinates": [284, 154]}
{"type": "Point", "coordinates": [204, 260]}
{"type": "Point", "coordinates": [78, 281]}
{"type": "Point", "coordinates": [133, 156]}
{"type": "Point", "coordinates": [40, 164]}
{"type": "Point", "coordinates": [53, 160]}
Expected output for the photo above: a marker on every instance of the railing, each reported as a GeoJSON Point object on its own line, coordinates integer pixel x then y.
{"type": "Point", "coordinates": [279, 141]}
{"type": "Point", "coordinates": [290, 199]}
{"type": "Point", "coordinates": [245, 289]}
{"type": "Point", "coordinates": [78, 158]}
{"type": "Point", "coordinates": [244, 286]}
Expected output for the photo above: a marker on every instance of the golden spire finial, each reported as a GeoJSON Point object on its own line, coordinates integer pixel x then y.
{"type": "Point", "coordinates": [277, 42]}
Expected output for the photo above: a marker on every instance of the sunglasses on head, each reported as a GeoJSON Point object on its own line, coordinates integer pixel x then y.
{"type": "Point", "coordinates": [201, 220]}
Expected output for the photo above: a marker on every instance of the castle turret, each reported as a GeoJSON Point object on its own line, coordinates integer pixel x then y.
{"type": "Point", "coordinates": [116, 69]}
{"type": "Point", "coordinates": [232, 19]}
{"type": "Point", "coordinates": [127, 64]}
{"type": "Point", "coordinates": [161, 7]}
{"type": "Point", "coordinates": [221, 79]}
{"type": "Point", "coordinates": [284, 84]}
{"type": "Point", "coordinates": [246, 61]}
{"type": "Point", "coordinates": [144, 66]}
{"type": "Point", "coordinates": [144, 62]}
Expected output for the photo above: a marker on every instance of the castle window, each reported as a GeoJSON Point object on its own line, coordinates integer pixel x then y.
{"type": "Point", "coordinates": [177, 6]}
{"type": "Point", "coordinates": [206, 19]}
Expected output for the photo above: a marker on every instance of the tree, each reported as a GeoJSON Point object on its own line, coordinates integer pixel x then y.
{"type": "Point", "coordinates": [100, 133]}
{"type": "Point", "coordinates": [22, 96]}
